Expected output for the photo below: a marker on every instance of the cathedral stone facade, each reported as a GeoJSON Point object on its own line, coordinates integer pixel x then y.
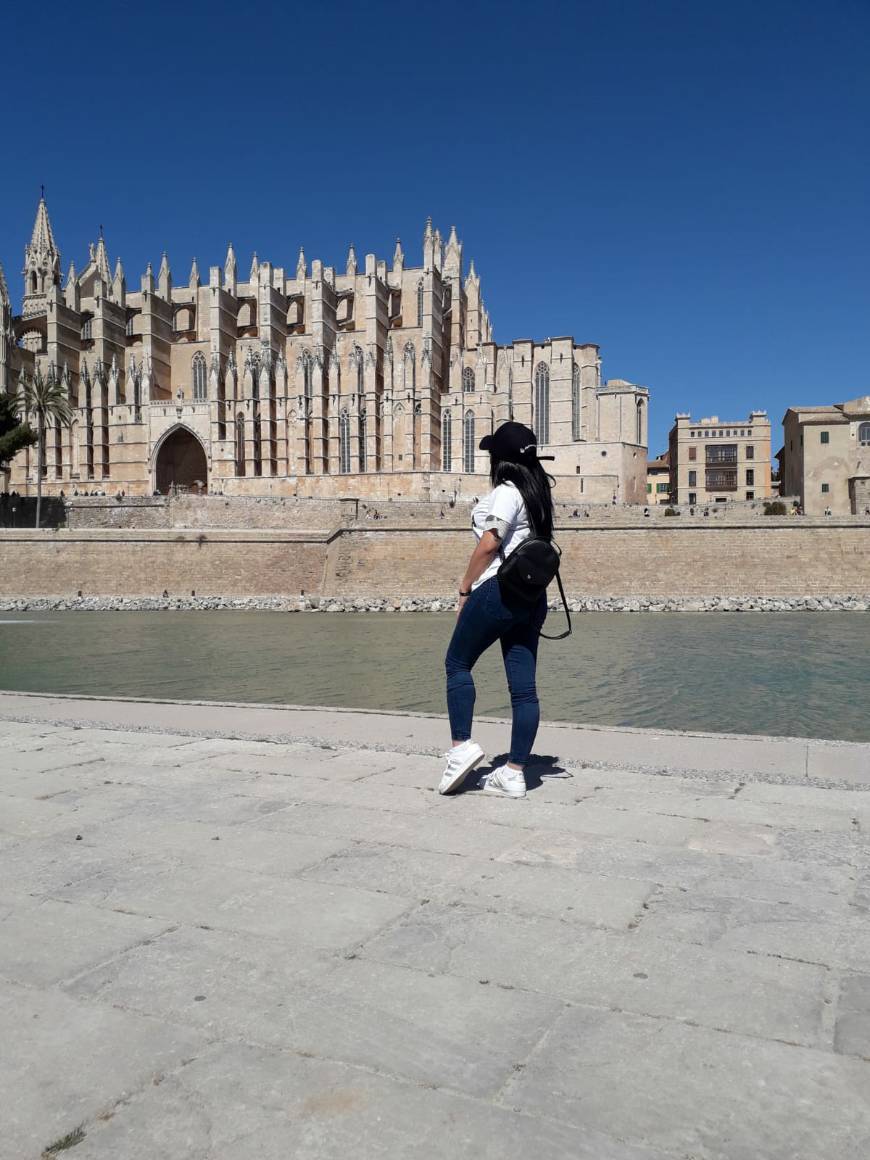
{"type": "Point", "coordinates": [377, 381]}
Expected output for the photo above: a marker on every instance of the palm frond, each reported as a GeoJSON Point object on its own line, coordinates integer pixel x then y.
{"type": "Point", "coordinates": [45, 397]}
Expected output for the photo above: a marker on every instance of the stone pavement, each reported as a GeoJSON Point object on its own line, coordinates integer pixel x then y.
{"type": "Point", "coordinates": [235, 933]}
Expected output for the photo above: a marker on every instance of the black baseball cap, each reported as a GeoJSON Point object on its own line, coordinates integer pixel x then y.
{"type": "Point", "coordinates": [514, 442]}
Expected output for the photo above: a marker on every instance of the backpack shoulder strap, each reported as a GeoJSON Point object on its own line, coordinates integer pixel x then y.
{"type": "Point", "coordinates": [568, 631]}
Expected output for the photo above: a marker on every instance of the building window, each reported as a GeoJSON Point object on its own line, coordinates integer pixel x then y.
{"type": "Point", "coordinates": [692, 497]}
{"type": "Point", "coordinates": [721, 479]}
{"type": "Point", "coordinates": [693, 453]}
{"type": "Point", "coordinates": [825, 488]}
{"type": "Point", "coordinates": [750, 495]}
{"type": "Point", "coordinates": [541, 422]}
{"type": "Point", "coordinates": [750, 477]}
{"type": "Point", "coordinates": [87, 329]}
{"type": "Point", "coordinates": [199, 378]}
{"type": "Point", "coordinates": [468, 380]}
{"type": "Point", "coordinates": [864, 434]}
{"type": "Point", "coordinates": [639, 424]}
{"type": "Point", "coordinates": [343, 443]}
{"type": "Point", "coordinates": [420, 302]}
{"type": "Point", "coordinates": [693, 478]}
{"type": "Point", "coordinates": [575, 402]}
{"type": "Point", "coordinates": [663, 488]}
{"type": "Point", "coordinates": [468, 447]}
{"type": "Point", "coordinates": [410, 367]}
{"type": "Point", "coordinates": [446, 440]}
{"type": "Point", "coordinates": [363, 458]}
{"type": "Point", "coordinates": [129, 329]}
{"type": "Point", "coordinates": [750, 451]}
{"type": "Point", "coordinates": [692, 433]}
{"type": "Point", "coordinates": [727, 453]}
{"type": "Point", "coordinates": [824, 436]}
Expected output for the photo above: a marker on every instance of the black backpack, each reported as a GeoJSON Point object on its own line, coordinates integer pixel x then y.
{"type": "Point", "coordinates": [525, 574]}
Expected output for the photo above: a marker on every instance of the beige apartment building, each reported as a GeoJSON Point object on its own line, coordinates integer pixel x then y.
{"type": "Point", "coordinates": [716, 462]}
{"type": "Point", "coordinates": [825, 458]}
{"type": "Point", "coordinates": [658, 480]}
{"type": "Point", "coordinates": [376, 380]}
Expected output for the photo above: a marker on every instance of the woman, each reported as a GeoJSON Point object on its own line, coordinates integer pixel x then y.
{"type": "Point", "coordinates": [519, 505]}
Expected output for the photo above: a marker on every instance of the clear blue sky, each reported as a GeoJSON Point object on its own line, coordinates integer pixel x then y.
{"type": "Point", "coordinates": [685, 183]}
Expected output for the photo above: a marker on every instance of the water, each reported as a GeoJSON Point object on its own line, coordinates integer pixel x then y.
{"type": "Point", "coordinates": [798, 674]}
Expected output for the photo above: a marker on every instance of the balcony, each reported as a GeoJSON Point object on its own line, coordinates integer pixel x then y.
{"type": "Point", "coordinates": [723, 455]}
{"type": "Point", "coordinates": [721, 480]}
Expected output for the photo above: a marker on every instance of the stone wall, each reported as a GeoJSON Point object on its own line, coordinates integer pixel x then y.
{"type": "Point", "coordinates": [784, 558]}
{"type": "Point", "coordinates": [142, 563]}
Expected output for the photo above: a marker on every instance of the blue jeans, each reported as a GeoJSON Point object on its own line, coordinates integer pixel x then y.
{"type": "Point", "coordinates": [485, 619]}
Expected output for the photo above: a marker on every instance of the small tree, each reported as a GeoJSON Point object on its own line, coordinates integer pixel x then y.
{"type": "Point", "coordinates": [14, 435]}
{"type": "Point", "coordinates": [45, 398]}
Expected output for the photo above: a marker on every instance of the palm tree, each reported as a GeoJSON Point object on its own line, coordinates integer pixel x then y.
{"type": "Point", "coordinates": [45, 397]}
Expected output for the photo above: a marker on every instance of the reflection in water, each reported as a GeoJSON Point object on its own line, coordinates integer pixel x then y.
{"type": "Point", "coordinates": [797, 674]}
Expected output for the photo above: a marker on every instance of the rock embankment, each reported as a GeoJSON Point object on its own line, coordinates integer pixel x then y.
{"type": "Point", "coordinates": [851, 603]}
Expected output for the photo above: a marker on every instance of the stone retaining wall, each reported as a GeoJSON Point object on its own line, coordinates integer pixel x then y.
{"type": "Point", "coordinates": [657, 563]}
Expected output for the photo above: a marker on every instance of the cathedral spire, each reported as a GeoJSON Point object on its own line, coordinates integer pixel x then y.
{"type": "Point", "coordinates": [101, 257]}
{"type": "Point", "coordinates": [398, 255]}
{"type": "Point", "coordinates": [41, 261]}
{"type": "Point", "coordinates": [119, 284]}
{"type": "Point", "coordinates": [300, 266]}
{"type": "Point", "coordinates": [193, 281]}
{"type": "Point", "coordinates": [351, 260]}
{"type": "Point", "coordinates": [230, 270]}
{"type": "Point", "coordinates": [71, 289]}
{"type": "Point", "coordinates": [255, 268]}
{"type": "Point", "coordinates": [164, 279]}
{"type": "Point", "coordinates": [453, 255]}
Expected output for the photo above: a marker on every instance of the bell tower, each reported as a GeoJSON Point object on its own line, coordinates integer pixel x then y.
{"type": "Point", "coordinates": [41, 263]}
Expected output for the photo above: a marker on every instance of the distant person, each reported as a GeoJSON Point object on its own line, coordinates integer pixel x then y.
{"type": "Point", "coordinates": [519, 506]}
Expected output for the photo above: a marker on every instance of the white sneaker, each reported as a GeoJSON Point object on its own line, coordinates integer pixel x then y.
{"type": "Point", "coordinates": [505, 782]}
{"type": "Point", "coordinates": [461, 759]}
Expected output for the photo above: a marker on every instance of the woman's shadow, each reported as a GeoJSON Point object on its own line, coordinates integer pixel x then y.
{"type": "Point", "coordinates": [540, 768]}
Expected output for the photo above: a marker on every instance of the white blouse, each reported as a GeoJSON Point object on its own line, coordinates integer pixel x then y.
{"type": "Point", "coordinates": [502, 511]}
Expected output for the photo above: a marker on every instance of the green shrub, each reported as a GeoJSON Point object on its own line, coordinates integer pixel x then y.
{"type": "Point", "coordinates": [669, 511]}
{"type": "Point", "coordinates": [776, 508]}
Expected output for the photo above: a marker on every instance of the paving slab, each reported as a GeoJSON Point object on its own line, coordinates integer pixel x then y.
{"type": "Point", "coordinates": [66, 1062]}
{"type": "Point", "coordinates": [755, 994]}
{"type": "Point", "coordinates": [237, 1102]}
{"type": "Point", "coordinates": [613, 1068]}
{"type": "Point", "coordinates": [229, 932]}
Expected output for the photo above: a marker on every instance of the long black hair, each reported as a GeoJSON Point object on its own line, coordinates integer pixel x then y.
{"type": "Point", "coordinates": [534, 485]}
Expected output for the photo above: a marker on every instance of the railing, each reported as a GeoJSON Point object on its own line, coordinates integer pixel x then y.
{"type": "Point", "coordinates": [721, 454]}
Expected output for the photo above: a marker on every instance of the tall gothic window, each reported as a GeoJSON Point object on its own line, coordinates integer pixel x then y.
{"type": "Point", "coordinates": [468, 380]}
{"type": "Point", "coordinates": [360, 378]}
{"type": "Point", "coordinates": [363, 458]}
{"type": "Point", "coordinates": [307, 374]}
{"type": "Point", "coordinates": [575, 402]}
{"type": "Point", "coordinates": [344, 443]}
{"type": "Point", "coordinates": [446, 440]}
{"type": "Point", "coordinates": [87, 328]}
{"type": "Point", "coordinates": [639, 431]}
{"type": "Point", "coordinates": [420, 302]}
{"type": "Point", "coordinates": [468, 448]}
{"type": "Point", "coordinates": [542, 403]}
{"type": "Point", "coordinates": [199, 378]}
{"type": "Point", "coordinates": [410, 368]}
{"type": "Point", "coordinates": [240, 444]}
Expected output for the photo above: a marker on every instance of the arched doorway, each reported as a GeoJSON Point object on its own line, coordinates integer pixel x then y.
{"type": "Point", "coordinates": [181, 463]}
